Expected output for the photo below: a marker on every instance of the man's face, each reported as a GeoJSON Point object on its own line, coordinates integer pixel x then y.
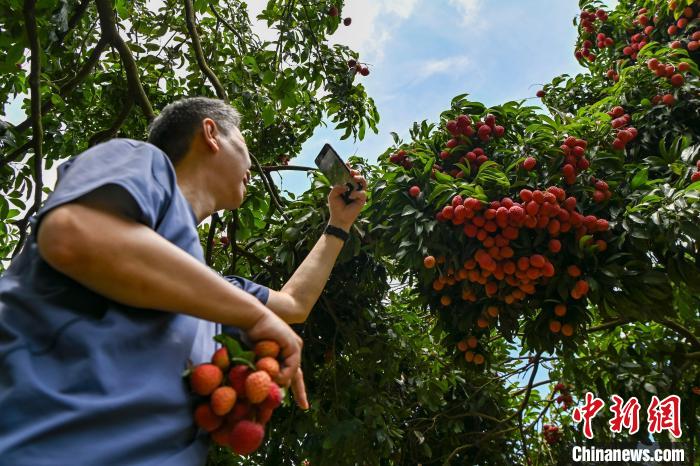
{"type": "Point", "coordinates": [236, 166]}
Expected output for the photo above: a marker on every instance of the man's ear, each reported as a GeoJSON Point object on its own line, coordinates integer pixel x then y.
{"type": "Point", "coordinates": [210, 133]}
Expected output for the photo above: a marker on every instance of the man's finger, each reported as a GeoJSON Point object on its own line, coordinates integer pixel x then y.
{"type": "Point", "coordinates": [299, 390]}
{"type": "Point", "coordinates": [361, 181]}
{"type": "Point", "coordinates": [292, 360]}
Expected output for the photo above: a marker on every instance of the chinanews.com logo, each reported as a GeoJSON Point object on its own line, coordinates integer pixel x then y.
{"type": "Point", "coordinates": [662, 416]}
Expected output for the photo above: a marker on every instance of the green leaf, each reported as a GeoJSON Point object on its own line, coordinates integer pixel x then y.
{"type": "Point", "coordinates": [268, 115]}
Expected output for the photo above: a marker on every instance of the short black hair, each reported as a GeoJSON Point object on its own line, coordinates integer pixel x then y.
{"type": "Point", "coordinates": [173, 129]}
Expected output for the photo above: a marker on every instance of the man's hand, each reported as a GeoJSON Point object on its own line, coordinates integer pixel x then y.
{"type": "Point", "coordinates": [271, 327]}
{"type": "Point", "coordinates": [343, 215]}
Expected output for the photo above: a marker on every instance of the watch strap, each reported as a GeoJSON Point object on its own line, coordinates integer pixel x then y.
{"type": "Point", "coordinates": [337, 232]}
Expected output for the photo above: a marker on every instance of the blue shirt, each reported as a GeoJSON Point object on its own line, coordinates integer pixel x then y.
{"type": "Point", "coordinates": [85, 380]}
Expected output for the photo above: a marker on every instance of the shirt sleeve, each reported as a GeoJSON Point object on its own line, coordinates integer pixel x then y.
{"type": "Point", "coordinates": [134, 177]}
{"type": "Point", "coordinates": [259, 291]}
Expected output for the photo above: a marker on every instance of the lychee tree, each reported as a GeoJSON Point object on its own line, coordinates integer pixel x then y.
{"type": "Point", "coordinates": [499, 243]}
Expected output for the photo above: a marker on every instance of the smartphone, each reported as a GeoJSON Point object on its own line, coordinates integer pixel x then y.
{"type": "Point", "coordinates": [331, 165]}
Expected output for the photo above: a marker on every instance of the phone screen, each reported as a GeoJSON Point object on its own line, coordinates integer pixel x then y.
{"type": "Point", "coordinates": [330, 163]}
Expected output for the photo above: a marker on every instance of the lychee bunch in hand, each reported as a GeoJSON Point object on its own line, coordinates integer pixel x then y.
{"type": "Point", "coordinates": [239, 393]}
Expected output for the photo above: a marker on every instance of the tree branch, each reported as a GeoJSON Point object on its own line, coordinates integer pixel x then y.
{"type": "Point", "coordinates": [199, 54]}
{"type": "Point", "coordinates": [37, 130]}
{"type": "Point", "coordinates": [242, 43]}
{"type": "Point", "coordinates": [109, 133]}
{"type": "Point", "coordinates": [673, 325]}
{"type": "Point", "coordinates": [608, 325]}
{"type": "Point", "coordinates": [269, 186]}
{"type": "Point", "coordinates": [66, 89]}
{"type": "Point", "coordinates": [12, 156]}
{"type": "Point", "coordinates": [536, 365]}
{"type": "Point", "coordinates": [109, 31]}
{"type": "Point", "coordinates": [273, 168]}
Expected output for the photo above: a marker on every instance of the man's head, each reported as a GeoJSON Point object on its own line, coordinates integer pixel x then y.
{"type": "Point", "coordinates": [202, 134]}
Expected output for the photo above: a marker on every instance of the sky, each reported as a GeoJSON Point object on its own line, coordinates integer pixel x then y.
{"type": "Point", "coordinates": [422, 53]}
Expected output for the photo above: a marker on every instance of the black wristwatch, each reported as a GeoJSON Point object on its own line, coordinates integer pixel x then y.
{"type": "Point", "coordinates": [337, 232]}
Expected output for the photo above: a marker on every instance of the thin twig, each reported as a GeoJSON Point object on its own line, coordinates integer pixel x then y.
{"type": "Point", "coordinates": [109, 30]}
{"type": "Point", "coordinates": [215, 220]}
{"type": "Point", "coordinates": [242, 42]}
{"type": "Point", "coordinates": [277, 168]}
{"type": "Point", "coordinates": [269, 186]}
{"type": "Point", "coordinates": [199, 54]}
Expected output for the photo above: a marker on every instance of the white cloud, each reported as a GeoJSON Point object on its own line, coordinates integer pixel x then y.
{"type": "Point", "coordinates": [373, 25]}
{"type": "Point", "coordinates": [469, 9]}
{"type": "Point", "coordinates": [448, 65]}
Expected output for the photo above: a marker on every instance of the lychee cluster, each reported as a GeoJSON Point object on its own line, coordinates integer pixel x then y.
{"type": "Point", "coordinates": [639, 39]}
{"type": "Point", "coordinates": [470, 347]}
{"type": "Point", "coordinates": [560, 310]}
{"type": "Point", "coordinates": [240, 400]}
{"type": "Point", "coordinates": [691, 41]}
{"type": "Point", "coordinates": [551, 434]}
{"type": "Point", "coordinates": [574, 158]}
{"type": "Point", "coordinates": [461, 129]}
{"type": "Point", "coordinates": [358, 67]}
{"type": "Point", "coordinates": [602, 191]}
{"type": "Point", "coordinates": [564, 398]}
{"type": "Point", "coordinates": [494, 271]}
{"type": "Point", "coordinates": [621, 122]}
{"type": "Point", "coordinates": [588, 19]}
{"type": "Point", "coordinates": [667, 70]}
{"type": "Point", "coordinates": [400, 157]}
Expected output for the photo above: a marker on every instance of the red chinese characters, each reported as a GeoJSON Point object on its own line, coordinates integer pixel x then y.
{"type": "Point", "coordinates": [665, 415]}
{"type": "Point", "coordinates": [587, 412]}
{"type": "Point", "coordinates": [661, 415]}
{"type": "Point", "coordinates": [626, 415]}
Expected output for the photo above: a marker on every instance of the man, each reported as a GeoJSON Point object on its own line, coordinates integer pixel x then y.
{"type": "Point", "coordinates": [110, 297]}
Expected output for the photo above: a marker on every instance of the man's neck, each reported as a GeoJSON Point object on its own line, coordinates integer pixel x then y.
{"type": "Point", "coordinates": [201, 199]}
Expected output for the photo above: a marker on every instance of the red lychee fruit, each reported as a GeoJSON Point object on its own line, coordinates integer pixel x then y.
{"type": "Point", "coordinates": [540, 93]}
{"type": "Point", "coordinates": [333, 11]}
{"type": "Point", "coordinates": [205, 378]}
{"type": "Point", "coordinates": [205, 418]}
{"type": "Point", "coordinates": [241, 410]}
{"type": "Point", "coordinates": [257, 386]}
{"type": "Point", "coordinates": [269, 365]}
{"type": "Point", "coordinates": [237, 377]}
{"type": "Point", "coordinates": [347, 21]}
{"type": "Point", "coordinates": [265, 348]}
{"type": "Point", "coordinates": [222, 400]}
{"type": "Point", "coordinates": [274, 397]}
{"type": "Point", "coordinates": [677, 80]}
{"type": "Point", "coordinates": [246, 437]}
{"type": "Point", "coordinates": [414, 191]}
{"type": "Point", "coordinates": [264, 414]}
{"type": "Point", "coordinates": [529, 163]}
{"type": "Point", "coordinates": [220, 359]}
